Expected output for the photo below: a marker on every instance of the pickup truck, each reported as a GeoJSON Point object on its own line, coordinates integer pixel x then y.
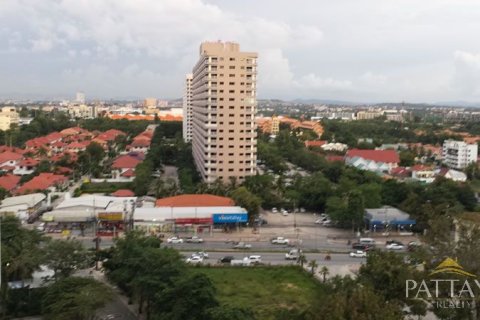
{"type": "Point", "coordinates": [242, 245]}
{"type": "Point", "coordinates": [293, 254]}
{"type": "Point", "coordinates": [280, 240]}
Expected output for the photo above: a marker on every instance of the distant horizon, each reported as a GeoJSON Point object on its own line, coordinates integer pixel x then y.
{"type": "Point", "coordinates": [71, 98]}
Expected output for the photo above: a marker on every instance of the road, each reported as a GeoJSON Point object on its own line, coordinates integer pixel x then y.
{"type": "Point", "coordinates": [274, 258]}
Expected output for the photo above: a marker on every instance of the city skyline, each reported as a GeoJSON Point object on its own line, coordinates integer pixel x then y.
{"type": "Point", "coordinates": [383, 51]}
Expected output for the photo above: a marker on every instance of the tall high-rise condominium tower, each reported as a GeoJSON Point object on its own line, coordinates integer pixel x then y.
{"type": "Point", "coordinates": [224, 138]}
{"type": "Point", "coordinates": [187, 109]}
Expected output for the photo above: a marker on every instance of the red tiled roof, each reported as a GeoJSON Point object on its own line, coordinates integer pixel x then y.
{"type": "Point", "coordinates": [78, 145]}
{"type": "Point", "coordinates": [128, 174]}
{"type": "Point", "coordinates": [4, 148]}
{"type": "Point", "coordinates": [123, 193]}
{"type": "Point", "coordinates": [28, 162]}
{"type": "Point", "coordinates": [10, 156]}
{"type": "Point", "coordinates": [315, 143]}
{"type": "Point", "coordinates": [125, 161]}
{"type": "Point", "coordinates": [54, 136]}
{"type": "Point", "coordinates": [37, 142]}
{"type": "Point", "coordinates": [9, 182]}
{"type": "Point", "coordinates": [400, 171]}
{"type": "Point", "coordinates": [387, 156]}
{"type": "Point", "coordinates": [71, 131]}
{"type": "Point", "coordinates": [41, 182]}
{"type": "Point", "coordinates": [141, 143]}
{"type": "Point", "coordinates": [195, 200]}
{"type": "Point", "coordinates": [64, 170]}
{"type": "Point", "coordinates": [333, 158]}
{"type": "Point", "coordinates": [7, 168]}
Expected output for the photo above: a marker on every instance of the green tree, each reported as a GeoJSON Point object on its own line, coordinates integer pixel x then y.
{"type": "Point", "coordinates": [143, 178]}
{"type": "Point", "coordinates": [324, 272]}
{"type": "Point", "coordinates": [66, 256]}
{"type": "Point", "coordinates": [301, 260]}
{"type": "Point", "coordinates": [247, 200]}
{"type": "Point", "coordinates": [407, 158]}
{"type": "Point", "coordinates": [75, 298]}
{"type": "Point", "coordinates": [190, 298]}
{"type": "Point", "coordinates": [313, 266]}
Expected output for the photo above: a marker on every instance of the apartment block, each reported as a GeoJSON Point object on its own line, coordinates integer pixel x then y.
{"type": "Point", "coordinates": [8, 117]}
{"type": "Point", "coordinates": [459, 154]}
{"type": "Point", "coordinates": [187, 109]}
{"type": "Point", "coordinates": [224, 138]}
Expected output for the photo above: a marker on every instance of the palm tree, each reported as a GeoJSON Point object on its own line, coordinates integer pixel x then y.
{"type": "Point", "coordinates": [301, 259]}
{"type": "Point", "coordinates": [313, 265]}
{"type": "Point", "coordinates": [324, 272]}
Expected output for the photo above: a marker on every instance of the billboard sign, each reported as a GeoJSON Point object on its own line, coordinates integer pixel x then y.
{"type": "Point", "coordinates": [229, 217]}
{"type": "Point", "coordinates": [110, 216]}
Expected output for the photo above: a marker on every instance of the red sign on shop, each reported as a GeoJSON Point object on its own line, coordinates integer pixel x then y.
{"type": "Point", "coordinates": [193, 221]}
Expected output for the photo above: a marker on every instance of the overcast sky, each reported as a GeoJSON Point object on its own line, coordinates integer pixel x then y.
{"type": "Point", "coordinates": [356, 50]}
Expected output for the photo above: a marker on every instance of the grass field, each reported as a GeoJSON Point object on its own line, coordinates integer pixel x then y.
{"type": "Point", "coordinates": [268, 291]}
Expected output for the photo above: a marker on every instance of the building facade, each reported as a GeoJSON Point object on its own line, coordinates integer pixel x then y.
{"type": "Point", "coordinates": [224, 138]}
{"type": "Point", "coordinates": [459, 154]}
{"type": "Point", "coordinates": [8, 117]}
{"type": "Point", "coordinates": [187, 109]}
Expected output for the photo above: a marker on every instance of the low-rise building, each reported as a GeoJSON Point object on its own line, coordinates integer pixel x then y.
{"type": "Point", "coordinates": [372, 160]}
{"type": "Point", "coordinates": [458, 154]}
{"type": "Point", "coordinates": [43, 182]}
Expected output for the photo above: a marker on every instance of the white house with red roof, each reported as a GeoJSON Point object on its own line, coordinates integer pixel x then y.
{"type": "Point", "coordinates": [8, 160]}
{"type": "Point", "coordinates": [423, 173]}
{"type": "Point", "coordinates": [25, 166]}
{"type": "Point", "coordinates": [44, 181]}
{"type": "Point", "coordinates": [123, 167]}
{"type": "Point", "coordinates": [77, 146]}
{"type": "Point", "coordinates": [372, 160]}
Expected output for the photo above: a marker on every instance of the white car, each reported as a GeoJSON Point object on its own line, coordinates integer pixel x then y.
{"type": "Point", "coordinates": [395, 246]}
{"type": "Point", "coordinates": [253, 259]}
{"type": "Point", "coordinates": [280, 240]}
{"type": "Point", "coordinates": [202, 254]}
{"type": "Point", "coordinates": [285, 213]}
{"type": "Point", "coordinates": [358, 254]}
{"type": "Point", "coordinates": [194, 239]}
{"type": "Point", "coordinates": [174, 240]}
{"type": "Point", "coordinates": [194, 259]}
{"type": "Point", "coordinates": [274, 210]}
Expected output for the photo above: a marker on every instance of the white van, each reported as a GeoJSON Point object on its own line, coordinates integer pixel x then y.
{"type": "Point", "coordinates": [369, 241]}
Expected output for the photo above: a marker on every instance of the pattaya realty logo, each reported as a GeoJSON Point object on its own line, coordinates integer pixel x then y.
{"type": "Point", "coordinates": [448, 286]}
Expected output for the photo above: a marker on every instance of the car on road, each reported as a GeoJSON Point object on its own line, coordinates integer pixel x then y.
{"type": "Point", "coordinates": [393, 241]}
{"type": "Point", "coordinates": [226, 259]}
{"type": "Point", "coordinates": [395, 246]}
{"type": "Point", "coordinates": [358, 254]}
{"type": "Point", "coordinates": [254, 259]}
{"type": "Point", "coordinates": [195, 259]}
{"type": "Point", "coordinates": [41, 227]}
{"type": "Point", "coordinates": [280, 240]}
{"type": "Point", "coordinates": [293, 254]}
{"type": "Point", "coordinates": [242, 245]}
{"type": "Point", "coordinates": [260, 221]}
{"type": "Point", "coordinates": [174, 240]}
{"type": "Point", "coordinates": [362, 246]}
{"type": "Point", "coordinates": [194, 239]}
{"type": "Point", "coordinates": [412, 245]}
{"type": "Point", "coordinates": [202, 254]}
{"type": "Point", "coordinates": [274, 210]}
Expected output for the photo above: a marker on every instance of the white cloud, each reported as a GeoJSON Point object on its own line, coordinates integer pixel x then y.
{"type": "Point", "coordinates": [368, 50]}
{"type": "Point", "coordinates": [466, 78]}
{"type": "Point", "coordinates": [372, 79]}
{"type": "Point", "coordinates": [315, 82]}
